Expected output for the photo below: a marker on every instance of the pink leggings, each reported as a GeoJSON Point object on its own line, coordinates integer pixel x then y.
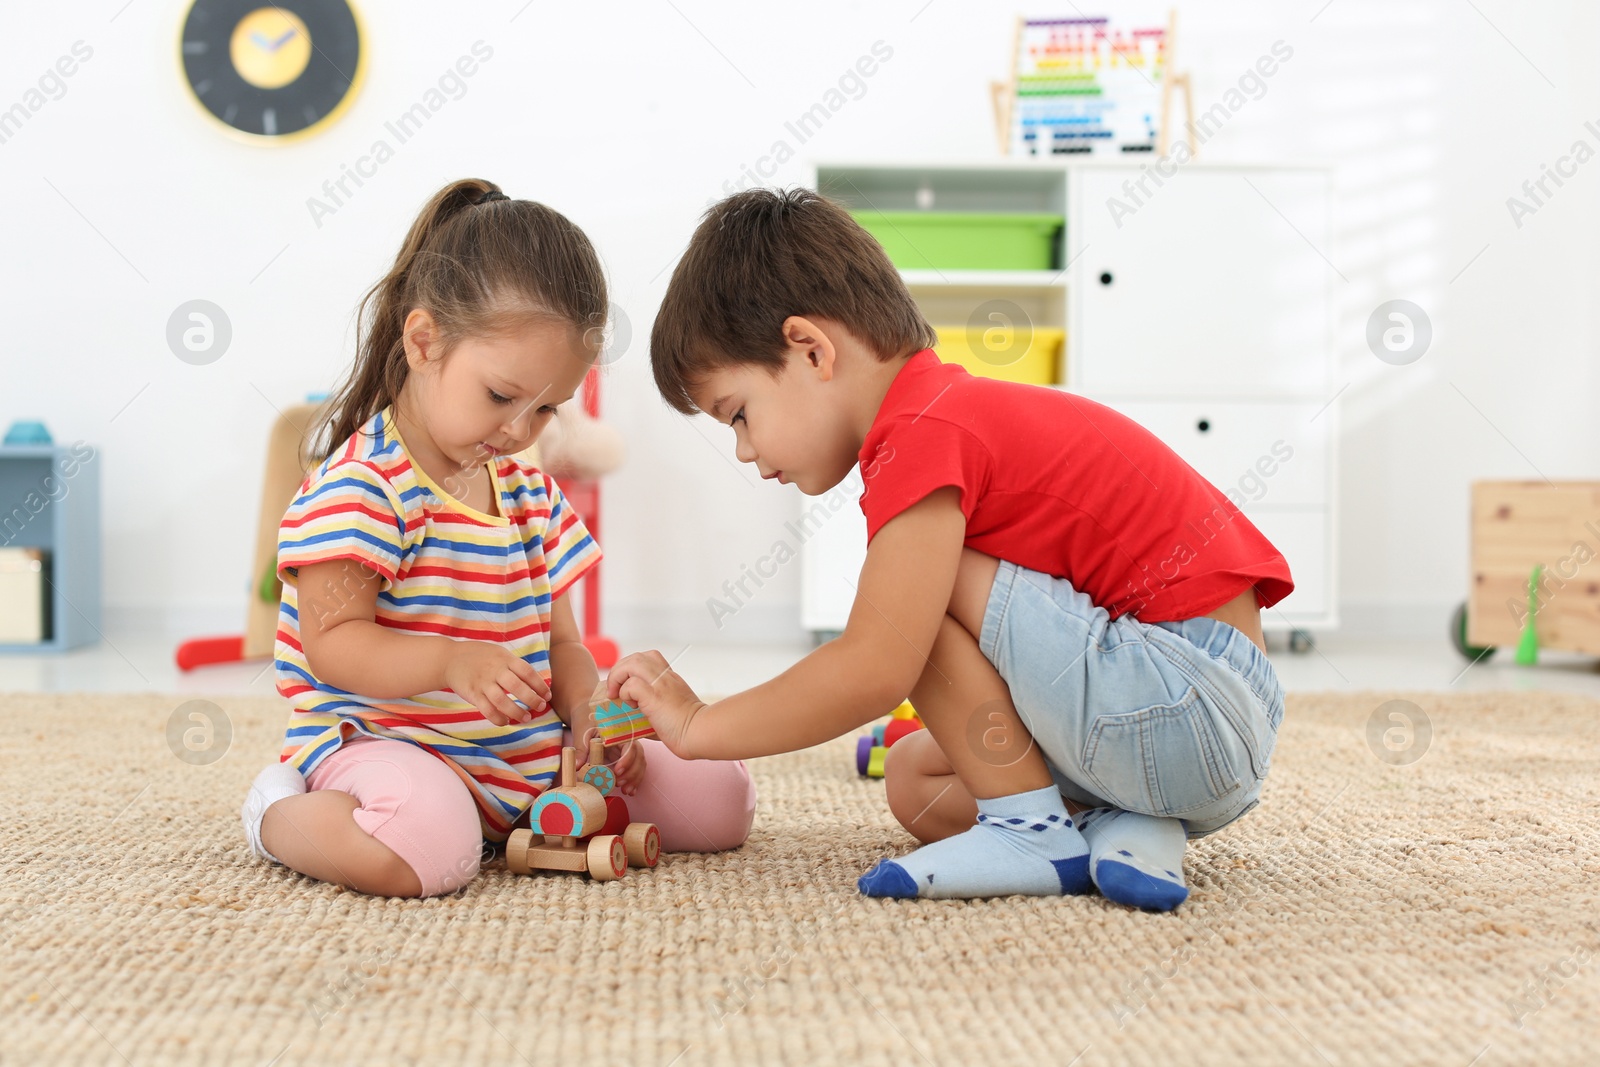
{"type": "Point", "coordinates": [416, 805]}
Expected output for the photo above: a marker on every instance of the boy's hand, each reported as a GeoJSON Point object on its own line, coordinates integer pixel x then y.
{"type": "Point", "coordinates": [489, 676]}
{"type": "Point", "coordinates": [644, 680]}
{"type": "Point", "coordinates": [626, 760]}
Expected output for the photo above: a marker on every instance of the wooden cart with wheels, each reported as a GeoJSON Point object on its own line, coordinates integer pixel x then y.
{"type": "Point", "coordinates": [583, 826]}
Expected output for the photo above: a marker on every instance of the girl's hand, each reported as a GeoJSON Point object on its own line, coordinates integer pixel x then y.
{"type": "Point", "coordinates": [489, 676]}
{"type": "Point", "coordinates": [644, 680]}
{"type": "Point", "coordinates": [626, 759]}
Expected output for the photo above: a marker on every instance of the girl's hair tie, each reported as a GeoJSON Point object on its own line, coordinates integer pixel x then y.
{"type": "Point", "coordinates": [491, 196]}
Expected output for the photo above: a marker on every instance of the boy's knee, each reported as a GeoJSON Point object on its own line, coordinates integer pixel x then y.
{"type": "Point", "coordinates": [900, 760]}
{"type": "Point", "coordinates": [904, 774]}
{"type": "Point", "coordinates": [923, 796]}
{"type": "Point", "coordinates": [915, 755]}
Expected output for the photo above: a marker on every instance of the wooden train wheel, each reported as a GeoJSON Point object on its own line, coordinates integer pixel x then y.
{"type": "Point", "coordinates": [608, 858]}
{"type": "Point", "coordinates": [517, 851]}
{"type": "Point", "coordinates": [643, 842]}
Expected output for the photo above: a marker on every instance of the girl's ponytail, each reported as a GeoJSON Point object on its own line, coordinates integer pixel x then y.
{"type": "Point", "coordinates": [473, 258]}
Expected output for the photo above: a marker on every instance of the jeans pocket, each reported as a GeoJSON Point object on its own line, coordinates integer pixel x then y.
{"type": "Point", "coordinates": [1163, 760]}
{"type": "Point", "coordinates": [1253, 716]}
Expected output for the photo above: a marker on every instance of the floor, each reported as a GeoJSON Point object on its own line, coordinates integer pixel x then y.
{"type": "Point", "coordinates": [134, 661]}
{"type": "Point", "coordinates": [1437, 911]}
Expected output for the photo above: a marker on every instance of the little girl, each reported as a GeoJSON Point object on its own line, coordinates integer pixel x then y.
{"type": "Point", "coordinates": [425, 639]}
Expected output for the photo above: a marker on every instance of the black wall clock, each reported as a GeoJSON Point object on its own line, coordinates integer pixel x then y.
{"type": "Point", "coordinates": [276, 72]}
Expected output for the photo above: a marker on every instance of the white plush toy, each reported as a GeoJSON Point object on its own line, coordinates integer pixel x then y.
{"type": "Point", "coordinates": [576, 445]}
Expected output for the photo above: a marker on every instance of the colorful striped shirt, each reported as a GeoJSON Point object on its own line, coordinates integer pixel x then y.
{"type": "Point", "coordinates": [446, 569]}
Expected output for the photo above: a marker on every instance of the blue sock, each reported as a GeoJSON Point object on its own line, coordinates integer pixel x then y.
{"type": "Point", "coordinates": [1136, 859]}
{"type": "Point", "coordinates": [1025, 843]}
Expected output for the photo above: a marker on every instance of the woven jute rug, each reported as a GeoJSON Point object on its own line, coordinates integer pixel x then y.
{"type": "Point", "coordinates": [1417, 886]}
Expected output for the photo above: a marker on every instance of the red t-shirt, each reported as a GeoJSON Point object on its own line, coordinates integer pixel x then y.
{"type": "Point", "coordinates": [1057, 483]}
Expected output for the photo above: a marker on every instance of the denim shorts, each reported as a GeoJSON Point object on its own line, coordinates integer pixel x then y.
{"type": "Point", "coordinates": [1176, 719]}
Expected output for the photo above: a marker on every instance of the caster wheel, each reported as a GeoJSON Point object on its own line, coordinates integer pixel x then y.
{"type": "Point", "coordinates": [643, 843]}
{"type": "Point", "coordinates": [517, 851]}
{"type": "Point", "coordinates": [1458, 636]}
{"type": "Point", "coordinates": [607, 857]}
{"type": "Point", "coordinates": [863, 753]}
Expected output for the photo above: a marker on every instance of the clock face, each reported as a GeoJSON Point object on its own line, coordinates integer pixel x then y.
{"type": "Point", "coordinates": [276, 71]}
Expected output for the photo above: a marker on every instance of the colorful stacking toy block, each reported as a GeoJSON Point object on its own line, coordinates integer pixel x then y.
{"type": "Point", "coordinates": [618, 722]}
{"type": "Point", "coordinates": [872, 748]}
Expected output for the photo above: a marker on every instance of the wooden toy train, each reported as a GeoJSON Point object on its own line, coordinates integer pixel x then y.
{"type": "Point", "coordinates": [583, 826]}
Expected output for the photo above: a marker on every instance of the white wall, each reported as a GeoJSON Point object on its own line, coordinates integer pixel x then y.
{"type": "Point", "coordinates": [122, 201]}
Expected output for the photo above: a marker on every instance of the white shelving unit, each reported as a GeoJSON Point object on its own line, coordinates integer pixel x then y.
{"type": "Point", "coordinates": [1198, 307]}
{"type": "Point", "coordinates": [983, 279]}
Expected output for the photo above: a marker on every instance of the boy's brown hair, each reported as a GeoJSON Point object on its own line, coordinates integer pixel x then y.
{"type": "Point", "coordinates": [758, 257]}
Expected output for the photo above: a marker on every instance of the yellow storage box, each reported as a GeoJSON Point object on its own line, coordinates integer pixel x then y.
{"type": "Point", "coordinates": [1009, 353]}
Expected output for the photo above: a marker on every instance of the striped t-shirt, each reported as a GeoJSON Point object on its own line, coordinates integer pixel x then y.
{"type": "Point", "coordinates": [446, 569]}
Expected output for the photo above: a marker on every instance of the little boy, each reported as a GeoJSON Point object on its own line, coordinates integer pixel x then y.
{"type": "Point", "coordinates": [1072, 610]}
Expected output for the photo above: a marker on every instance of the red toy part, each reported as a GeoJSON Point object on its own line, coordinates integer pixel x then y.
{"type": "Point", "coordinates": [203, 650]}
{"type": "Point", "coordinates": [895, 729]}
{"type": "Point", "coordinates": [556, 819]}
{"type": "Point", "coordinates": [603, 649]}
{"type": "Point", "coordinates": [616, 815]}
{"type": "Point", "coordinates": [584, 496]}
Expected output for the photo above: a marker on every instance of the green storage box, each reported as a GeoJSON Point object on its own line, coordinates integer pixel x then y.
{"type": "Point", "coordinates": [963, 240]}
